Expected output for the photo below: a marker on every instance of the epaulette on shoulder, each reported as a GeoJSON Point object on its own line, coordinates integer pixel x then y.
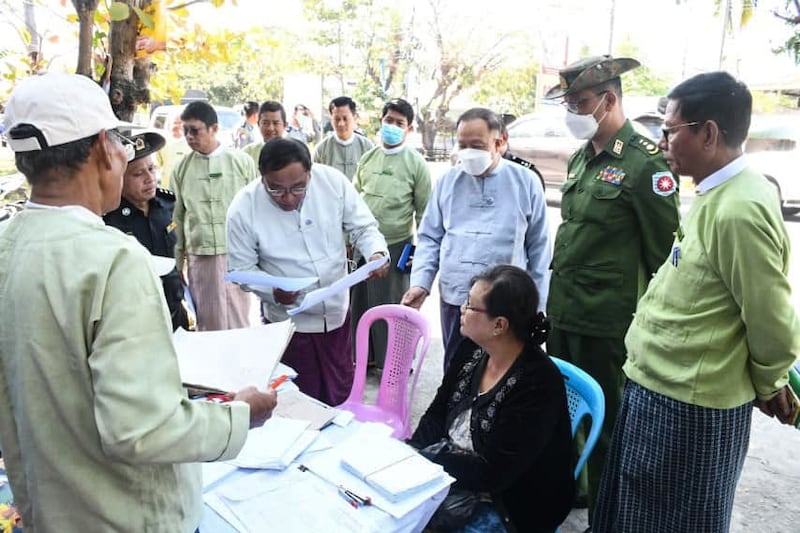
{"type": "Point", "coordinates": [644, 144]}
{"type": "Point", "coordinates": [165, 193]}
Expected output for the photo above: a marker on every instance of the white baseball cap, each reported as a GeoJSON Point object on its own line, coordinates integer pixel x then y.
{"type": "Point", "coordinates": [61, 108]}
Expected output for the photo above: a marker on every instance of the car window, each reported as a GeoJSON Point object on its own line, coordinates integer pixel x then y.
{"type": "Point", "coordinates": [159, 121]}
{"type": "Point", "coordinates": [228, 119]}
{"type": "Point", "coordinates": [772, 133]}
{"type": "Point", "coordinates": [534, 127]}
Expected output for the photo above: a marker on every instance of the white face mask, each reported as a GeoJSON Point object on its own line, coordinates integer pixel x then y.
{"type": "Point", "coordinates": [584, 126]}
{"type": "Point", "coordinates": [475, 162]}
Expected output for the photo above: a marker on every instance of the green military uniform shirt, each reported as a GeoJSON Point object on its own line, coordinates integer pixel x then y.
{"type": "Point", "coordinates": [619, 211]}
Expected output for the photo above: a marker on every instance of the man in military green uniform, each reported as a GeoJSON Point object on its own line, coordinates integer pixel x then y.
{"type": "Point", "coordinates": [619, 209]}
{"type": "Point", "coordinates": [145, 211]}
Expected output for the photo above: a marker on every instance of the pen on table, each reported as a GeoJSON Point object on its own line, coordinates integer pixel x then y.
{"type": "Point", "coordinates": [277, 382]}
{"type": "Point", "coordinates": [346, 493]}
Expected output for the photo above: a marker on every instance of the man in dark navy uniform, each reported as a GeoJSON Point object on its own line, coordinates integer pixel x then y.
{"type": "Point", "coordinates": [146, 213]}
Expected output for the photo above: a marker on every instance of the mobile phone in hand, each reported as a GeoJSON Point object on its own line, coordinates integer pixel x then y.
{"type": "Point", "coordinates": [406, 257]}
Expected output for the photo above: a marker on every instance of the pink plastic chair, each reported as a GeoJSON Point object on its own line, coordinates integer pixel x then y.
{"type": "Point", "coordinates": [406, 328]}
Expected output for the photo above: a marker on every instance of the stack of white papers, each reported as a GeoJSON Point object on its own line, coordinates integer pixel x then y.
{"type": "Point", "coordinates": [232, 359]}
{"type": "Point", "coordinates": [390, 466]}
{"type": "Point", "coordinates": [275, 444]}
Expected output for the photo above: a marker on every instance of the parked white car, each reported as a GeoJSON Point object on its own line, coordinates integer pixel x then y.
{"type": "Point", "coordinates": [773, 147]}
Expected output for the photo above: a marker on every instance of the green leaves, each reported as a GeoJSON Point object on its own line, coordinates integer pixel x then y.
{"type": "Point", "coordinates": [119, 11]}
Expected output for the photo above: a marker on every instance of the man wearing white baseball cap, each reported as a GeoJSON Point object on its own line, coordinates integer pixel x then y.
{"type": "Point", "coordinates": [96, 431]}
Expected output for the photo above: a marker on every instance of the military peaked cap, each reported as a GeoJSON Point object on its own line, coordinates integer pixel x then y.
{"type": "Point", "coordinates": [589, 72]}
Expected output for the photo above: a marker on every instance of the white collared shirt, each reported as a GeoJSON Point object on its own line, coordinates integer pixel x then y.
{"type": "Point", "coordinates": [722, 175]}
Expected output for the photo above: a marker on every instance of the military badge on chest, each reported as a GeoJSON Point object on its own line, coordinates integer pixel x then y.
{"type": "Point", "coordinates": [612, 175]}
{"type": "Point", "coordinates": [664, 183]}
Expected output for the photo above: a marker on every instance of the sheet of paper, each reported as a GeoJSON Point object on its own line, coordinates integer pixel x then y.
{"type": "Point", "coordinates": [232, 359]}
{"type": "Point", "coordinates": [260, 279]}
{"type": "Point", "coordinates": [319, 295]}
{"type": "Point", "coordinates": [299, 406]}
{"type": "Point", "coordinates": [298, 490]}
{"type": "Point", "coordinates": [213, 472]}
{"type": "Point", "coordinates": [269, 446]}
{"type": "Point", "coordinates": [162, 265]}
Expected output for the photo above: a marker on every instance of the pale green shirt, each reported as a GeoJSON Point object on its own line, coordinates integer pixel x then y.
{"type": "Point", "coordinates": [342, 157]}
{"type": "Point", "coordinates": [204, 186]}
{"type": "Point", "coordinates": [96, 430]}
{"type": "Point", "coordinates": [396, 188]}
{"type": "Point", "coordinates": [254, 150]}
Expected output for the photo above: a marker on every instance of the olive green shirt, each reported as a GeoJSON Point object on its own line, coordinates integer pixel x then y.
{"type": "Point", "coordinates": [619, 211]}
{"type": "Point", "coordinates": [717, 326]}
{"type": "Point", "coordinates": [204, 187]}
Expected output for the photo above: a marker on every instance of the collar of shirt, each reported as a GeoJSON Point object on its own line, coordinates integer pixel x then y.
{"type": "Point", "coordinates": [77, 210]}
{"type": "Point", "coordinates": [218, 150]}
{"type": "Point", "coordinates": [393, 150]}
{"type": "Point", "coordinates": [722, 175]}
{"type": "Point", "coordinates": [348, 142]}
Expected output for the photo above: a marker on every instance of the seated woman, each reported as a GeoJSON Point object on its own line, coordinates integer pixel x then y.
{"type": "Point", "coordinates": [503, 408]}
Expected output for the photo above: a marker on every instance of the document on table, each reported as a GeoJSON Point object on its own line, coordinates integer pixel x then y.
{"type": "Point", "coordinates": [232, 359]}
{"type": "Point", "coordinates": [298, 406]}
{"type": "Point", "coordinates": [329, 465]}
{"type": "Point", "coordinates": [275, 444]}
{"type": "Point", "coordinates": [390, 466]}
{"type": "Point", "coordinates": [278, 498]}
{"type": "Point", "coordinates": [319, 295]}
{"type": "Point", "coordinates": [259, 279]}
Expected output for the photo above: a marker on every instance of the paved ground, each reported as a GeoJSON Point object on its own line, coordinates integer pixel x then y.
{"type": "Point", "coordinates": [767, 498]}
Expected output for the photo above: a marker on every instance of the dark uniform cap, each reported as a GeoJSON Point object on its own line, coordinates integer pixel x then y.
{"type": "Point", "coordinates": [590, 72]}
{"type": "Point", "coordinates": [147, 143]}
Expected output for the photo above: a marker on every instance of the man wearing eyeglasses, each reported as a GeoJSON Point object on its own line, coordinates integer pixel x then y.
{"type": "Point", "coordinates": [205, 182]}
{"type": "Point", "coordinates": [619, 209]}
{"type": "Point", "coordinates": [292, 223]}
{"type": "Point", "coordinates": [145, 212]}
{"type": "Point", "coordinates": [97, 432]}
{"type": "Point", "coordinates": [716, 330]}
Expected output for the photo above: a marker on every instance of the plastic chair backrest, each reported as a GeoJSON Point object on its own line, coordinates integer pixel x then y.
{"type": "Point", "coordinates": [407, 329]}
{"type": "Point", "coordinates": [584, 397]}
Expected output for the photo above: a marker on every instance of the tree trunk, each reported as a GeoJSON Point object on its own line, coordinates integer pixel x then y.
{"type": "Point", "coordinates": [130, 76]}
{"type": "Point", "coordinates": [85, 10]}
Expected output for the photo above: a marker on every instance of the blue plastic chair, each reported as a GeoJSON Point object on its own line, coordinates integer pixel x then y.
{"type": "Point", "coordinates": [584, 397]}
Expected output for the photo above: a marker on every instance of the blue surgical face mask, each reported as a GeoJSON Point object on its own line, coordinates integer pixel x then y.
{"type": "Point", "coordinates": [392, 135]}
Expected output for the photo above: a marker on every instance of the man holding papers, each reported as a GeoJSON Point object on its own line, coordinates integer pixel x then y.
{"type": "Point", "coordinates": [291, 223]}
{"type": "Point", "coordinates": [96, 431]}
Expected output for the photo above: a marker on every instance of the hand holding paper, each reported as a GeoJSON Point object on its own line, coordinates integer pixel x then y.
{"type": "Point", "coordinates": [319, 295]}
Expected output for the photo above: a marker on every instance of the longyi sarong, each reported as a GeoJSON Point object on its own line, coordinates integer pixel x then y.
{"type": "Point", "coordinates": [219, 304]}
{"type": "Point", "coordinates": [672, 466]}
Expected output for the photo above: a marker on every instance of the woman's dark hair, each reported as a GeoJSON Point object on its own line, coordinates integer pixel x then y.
{"type": "Point", "coordinates": [279, 153]}
{"type": "Point", "coordinates": [513, 295]}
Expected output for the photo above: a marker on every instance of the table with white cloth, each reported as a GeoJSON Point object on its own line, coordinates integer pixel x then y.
{"type": "Point", "coordinates": [292, 500]}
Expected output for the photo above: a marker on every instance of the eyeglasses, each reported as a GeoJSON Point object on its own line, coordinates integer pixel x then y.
{"type": "Point", "coordinates": [192, 130]}
{"type": "Point", "coordinates": [128, 144]}
{"type": "Point", "coordinates": [466, 305]}
{"type": "Point", "coordinates": [296, 190]}
{"type": "Point", "coordinates": [666, 132]}
{"type": "Point", "coordinates": [575, 105]}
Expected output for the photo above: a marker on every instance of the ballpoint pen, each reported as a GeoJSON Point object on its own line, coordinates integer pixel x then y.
{"type": "Point", "coordinates": [355, 500]}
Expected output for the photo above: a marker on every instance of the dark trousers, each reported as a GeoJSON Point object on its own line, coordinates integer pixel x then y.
{"type": "Point", "coordinates": [602, 358]}
{"type": "Point", "coordinates": [450, 316]}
